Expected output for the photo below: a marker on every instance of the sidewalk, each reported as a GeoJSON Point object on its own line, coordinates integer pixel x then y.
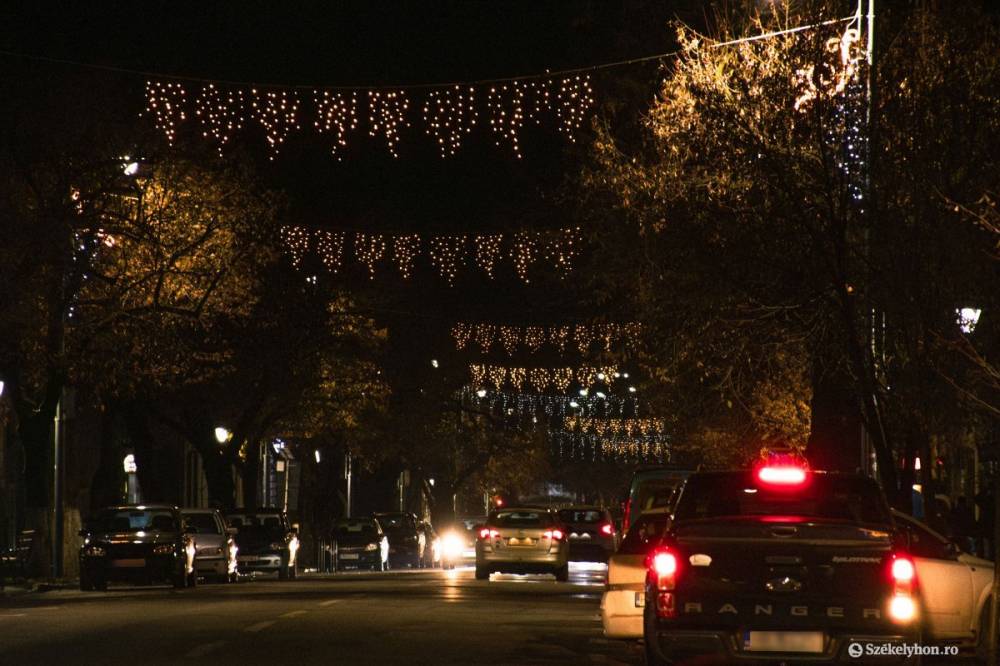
{"type": "Point", "coordinates": [31, 586]}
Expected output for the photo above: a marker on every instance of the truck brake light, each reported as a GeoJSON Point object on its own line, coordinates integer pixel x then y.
{"type": "Point", "coordinates": [782, 475]}
{"type": "Point", "coordinates": [607, 528]}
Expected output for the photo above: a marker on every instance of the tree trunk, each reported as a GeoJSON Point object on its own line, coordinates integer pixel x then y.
{"type": "Point", "coordinates": [108, 483]}
{"type": "Point", "coordinates": [835, 434]}
{"type": "Point", "coordinates": [219, 475]}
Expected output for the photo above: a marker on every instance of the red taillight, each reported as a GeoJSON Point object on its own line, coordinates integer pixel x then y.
{"type": "Point", "coordinates": [608, 529]}
{"type": "Point", "coordinates": [903, 573]}
{"type": "Point", "coordinates": [553, 534]}
{"type": "Point", "coordinates": [664, 564]}
{"type": "Point", "coordinates": [902, 570]}
{"type": "Point", "coordinates": [782, 475]}
{"type": "Point", "coordinates": [487, 533]}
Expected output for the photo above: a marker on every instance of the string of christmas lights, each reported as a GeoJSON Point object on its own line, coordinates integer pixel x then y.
{"type": "Point", "coordinates": [587, 446]}
{"type": "Point", "coordinates": [530, 407]}
{"type": "Point", "coordinates": [614, 426]}
{"type": "Point", "coordinates": [449, 112]}
{"type": "Point", "coordinates": [449, 255]}
{"type": "Point", "coordinates": [534, 338]}
{"type": "Point", "coordinates": [540, 379]}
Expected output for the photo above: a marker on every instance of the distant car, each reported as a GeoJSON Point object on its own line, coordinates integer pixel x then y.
{"type": "Point", "coordinates": [216, 548]}
{"type": "Point", "coordinates": [266, 541]}
{"type": "Point", "coordinates": [406, 542]}
{"type": "Point", "coordinates": [522, 540]}
{"type": "Point", "coordinates": [361, 544]}
{"type": "Point", "coordinates": [591, 533]}
{"type": "Point", "coordinates": [139, 544]}
{"type": "Point", "coordinates": [954, 586]}
{"type": "Point", "coordinates": [624, 594]}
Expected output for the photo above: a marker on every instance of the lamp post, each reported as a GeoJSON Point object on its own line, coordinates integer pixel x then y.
{"type": "Point", "coordinates": [132, 480]}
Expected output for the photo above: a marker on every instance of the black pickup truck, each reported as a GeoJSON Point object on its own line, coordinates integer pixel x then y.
{"type": "Point", "coordinates": [780, 565]}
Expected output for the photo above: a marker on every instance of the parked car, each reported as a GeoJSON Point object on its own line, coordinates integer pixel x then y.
{"type": "Point", "coordinates": [266, 541]}
{"type": "Point", "coordinates": [522, 540]}
{"type": "Point", "coordinates": [216, 555]}
{"type": "Point", "coordinates": [138, 544]}
{"type": "Point", "coordinates": [591, 533]}
{"type": "Point", "coordinates": [954, 586]}
{"type": "Point", "coordinates": [625, 591]}
{"type": "Point", "coordinates": [361, 544]}
{"type": "Point", "coordinates": [406, 542]}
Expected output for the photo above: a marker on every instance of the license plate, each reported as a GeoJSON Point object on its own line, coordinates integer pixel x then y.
{"type": "Point", "coordinates": [784, 641]}
{"type": "Point", "coordinates": [349, 556]}
{"type": "Point", "coordinates": [248, 558]}
{"type": "Point", "coordinates": [521, 542]}
{"type": "Point", "coordinates": [640, 599]}
{"type": "Point", "coordinates": [129, 563]}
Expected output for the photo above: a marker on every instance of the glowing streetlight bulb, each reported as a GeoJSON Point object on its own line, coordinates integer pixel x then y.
{"type": "Point", "coordinates": [481, 393]}
{"type": "Point", "coordinates": [222, 435]}
{"type": "Point", "coordinates": [434, 363]}
{"type": "Point", "coordinates": [968, 318]}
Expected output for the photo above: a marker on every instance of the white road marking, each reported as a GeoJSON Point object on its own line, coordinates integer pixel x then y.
{"type": "Point", "coordinates": [329, 601]}
{"type": "Point", "coordinates": [202, 650]}
{"type": "Point", "coordinates": [13, 615]}
{"type": "Point", "coordinates": [260, 626]}
{"type": "Point", "coordinates": [294, 613]}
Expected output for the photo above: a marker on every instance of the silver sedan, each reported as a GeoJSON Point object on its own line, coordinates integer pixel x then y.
{"type": "Point", "coordinates": [522, 540]}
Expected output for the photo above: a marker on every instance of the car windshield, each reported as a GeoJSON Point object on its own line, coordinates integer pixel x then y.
{"type": "Point", "coordinates": [521, 518]}
{"type": "Point", "coordinates": [356, 529]}
{"type": "Point", "coordinates": [201, 523]}
{"type": "Point", "coordinates": [643, 534]}
{"type": "Point", "coordinates": [267, 521]}
{"type": "Point", "coordinates": [395, 522]}
{"type": "Point", "coordinates": [137, 520]}
{"type": "Point", "coordinates": [824, 497]}
{"type": "Point", "coordinates": [581, 516]}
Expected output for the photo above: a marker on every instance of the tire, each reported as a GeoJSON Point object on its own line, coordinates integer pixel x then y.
{"type": "Point", "coordinates": [293, 571]}
{"type": "Point", "coordinates": [179, 580]}
{"type": "Point", "coordinates": [283, 572]}
{"type": "Point", "coordinates": [651, 657]}
{"type": "Point", "coordinates": [192, 579]}
{"type": "Point", "coordinates": [562, 573]}
{"type": "Point", "coordinates": [482, 574]}
{"type": "Point", "coordinates": [234, 577]}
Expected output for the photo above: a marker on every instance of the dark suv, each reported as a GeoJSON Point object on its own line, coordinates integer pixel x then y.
{"type": "Point", "coordinates": [406, 541]}
{"type": "Point", "coordinates": [136, 543]}
{"type": "Point", "coordinates": [266, 542]}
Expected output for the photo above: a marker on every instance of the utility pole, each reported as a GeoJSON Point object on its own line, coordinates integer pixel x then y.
{"type": "Point", "coordinates": [347, 479]}
{"type": "Point", "coordinates": [57, 512]}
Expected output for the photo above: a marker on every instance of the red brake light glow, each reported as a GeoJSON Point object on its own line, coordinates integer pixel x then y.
{"type": "Point", "coordinates": [487, 533]}
{"type": "Point", "coordinates": [902, 570]}
{"type": "Point", "coordinates": [782, 475]}
{"type": "Point", "coordinates": [665, 563]}
{"type": "Point", "coordinates": [608, 529]}
{"type": "Point", "coordinates": [553, 534]}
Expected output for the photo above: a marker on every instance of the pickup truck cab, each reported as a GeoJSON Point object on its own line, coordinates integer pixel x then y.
{"type": "Point", "coordinates": [780, 564]}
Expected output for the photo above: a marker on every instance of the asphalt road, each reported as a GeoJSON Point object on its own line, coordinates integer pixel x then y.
{"type": "Point", "coordinates": [397, 617]}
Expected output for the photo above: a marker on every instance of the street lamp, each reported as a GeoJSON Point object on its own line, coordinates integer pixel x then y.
{"type": "Point", "coordinates": [481, 393]}
{"type": "Point", "coordinates": [222, 435]}
{"type": "Point", "coordinates": [968, 318]}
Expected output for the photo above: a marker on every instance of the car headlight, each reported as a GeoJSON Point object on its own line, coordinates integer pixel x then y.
{"type": "Point", "coordinates": [453, 545]}
{"type": "Point", "coordinates": [93, 551]}
{"type": "Point", "coordinates": [371, 546]}
{"type": "Point", "coordinates": [277, 545]}
{"type": "Point", "coordinates": [163, 549]}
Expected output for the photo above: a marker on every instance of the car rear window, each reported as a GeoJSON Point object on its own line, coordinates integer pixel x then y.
{"type": "Point", "coordinates": [644, 534]}
{"type": "Point", "coordinates": [521, 519]}
{"type": "Point", "coordinates": [267, 521]}
{"type": "Point", "coordinates": [356, 527]}
{"type": "Point", "coordinates": [824, 496]}
{"type": "Point", "coordinates": [578, 516]}
{"type": "Point", "coordinates": [203, 523]}
{"type": "Point", "coordinates": [137, 520]}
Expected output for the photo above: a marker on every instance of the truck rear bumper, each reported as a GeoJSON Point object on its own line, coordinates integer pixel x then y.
{"type": "Point", "coordinates": [723, 647]}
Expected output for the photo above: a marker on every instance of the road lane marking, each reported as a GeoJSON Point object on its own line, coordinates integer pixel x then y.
{"type": "Point", "coordinates": [202, 650]}
{"type": "Point", "coordinates": [329, 601]}
{"type": "Point", "coordinates": [260, 626]}
{"type": "Point", "coordinates": [294, 613]}
{"type": "Point", "coordinates": [13, 615]}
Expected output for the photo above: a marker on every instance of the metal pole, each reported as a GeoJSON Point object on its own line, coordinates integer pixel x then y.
{"type": "Point", "coordinates": [994, 612]}
{"type": "Point", "coordinates": [347, 475]}
{"type": "Point", "coordinates": [57, 516]}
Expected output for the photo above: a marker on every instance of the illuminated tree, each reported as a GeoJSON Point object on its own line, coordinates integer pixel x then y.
{"type": "Point", "coordinates": [756, 247]}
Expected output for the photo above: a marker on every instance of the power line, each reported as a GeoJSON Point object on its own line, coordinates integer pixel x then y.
{"type": "Point", "coordinates": [411, 86]}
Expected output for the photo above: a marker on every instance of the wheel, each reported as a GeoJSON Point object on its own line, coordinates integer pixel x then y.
{"type": "Point", "coordinates": [482, 574]}
{"type": "Point", "coordinates": [562, 573]}
{"type": "Point", "coordinates": [192, 579]}
{"type": "Point", "coordinates": [234, 577]}
{"type": "Point", "coordinates": [180, 580]}
{"type": "Point", "coordinates": [647, 634]}
{"type": "Point", "coordinates": [293, 571]}
{"type": "Point", "coordinates": [283, 572]}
